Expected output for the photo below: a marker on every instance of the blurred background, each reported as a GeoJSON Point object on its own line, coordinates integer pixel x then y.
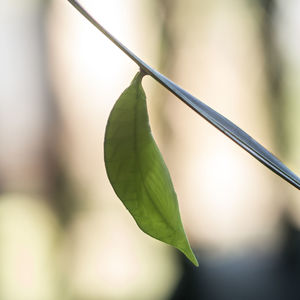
{"type": "Point", "coordinates": [64, 235]}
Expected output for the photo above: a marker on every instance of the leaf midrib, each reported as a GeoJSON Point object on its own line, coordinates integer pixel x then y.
{"type": "Point", "coordinates": [138, 92]}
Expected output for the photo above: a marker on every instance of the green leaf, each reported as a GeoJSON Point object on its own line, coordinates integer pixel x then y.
{"type": "Point", "coordinates": [137, 172]}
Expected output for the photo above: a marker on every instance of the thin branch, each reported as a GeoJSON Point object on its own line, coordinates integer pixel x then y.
{"type": "Point", "coordinates": [236, 134]}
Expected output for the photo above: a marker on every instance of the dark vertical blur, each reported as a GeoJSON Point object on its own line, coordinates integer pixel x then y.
{"type": "Point", "coordinates": [274, 68]}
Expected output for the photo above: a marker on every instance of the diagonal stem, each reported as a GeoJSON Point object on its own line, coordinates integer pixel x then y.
{"type": "Point", "coordinates": [236, 134]}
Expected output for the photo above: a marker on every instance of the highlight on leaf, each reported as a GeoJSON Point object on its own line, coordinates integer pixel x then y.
{"type": "Point", "coordinates": [137, 171]}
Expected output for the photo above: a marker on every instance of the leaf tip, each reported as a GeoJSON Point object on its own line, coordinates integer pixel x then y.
{"type": "Point", "coordinates": [191, 256]}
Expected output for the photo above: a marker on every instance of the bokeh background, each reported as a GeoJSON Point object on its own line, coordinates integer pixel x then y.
{"type": "Point", "coordinates": [63, 233]}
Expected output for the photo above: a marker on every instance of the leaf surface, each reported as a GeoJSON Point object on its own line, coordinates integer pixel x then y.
{"type": "Point", "coordinates": [137, 171]}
